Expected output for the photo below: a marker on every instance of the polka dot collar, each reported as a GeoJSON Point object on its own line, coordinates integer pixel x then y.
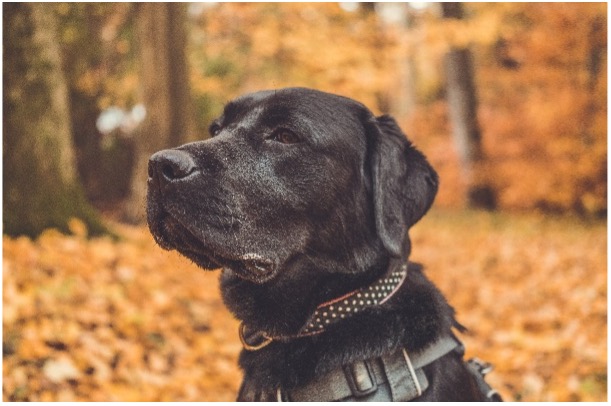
{"type": "Point", "coordinates": [375, 294]}
{"type": "Point", "coordinates": [333, 311]}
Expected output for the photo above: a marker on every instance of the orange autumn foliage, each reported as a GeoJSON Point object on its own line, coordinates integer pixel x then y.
{"type": "Point", "coordinates": [540, 73]}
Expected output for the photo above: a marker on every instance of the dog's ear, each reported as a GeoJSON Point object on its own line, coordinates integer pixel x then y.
{"type": "Point", "coordinates": [404, 184]}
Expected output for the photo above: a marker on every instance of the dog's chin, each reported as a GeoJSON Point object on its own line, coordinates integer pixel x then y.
{"type": "Point", "coordinates": [256, 270]}
{"type": "Point", "coordinates": [170, 234]}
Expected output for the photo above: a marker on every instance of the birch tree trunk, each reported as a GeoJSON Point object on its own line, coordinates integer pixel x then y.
{"type": "Point", "coordinates": [462, 101]}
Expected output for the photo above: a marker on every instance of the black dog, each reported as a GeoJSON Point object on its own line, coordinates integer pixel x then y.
{"type": "Point", "coordinates": [304, 199]}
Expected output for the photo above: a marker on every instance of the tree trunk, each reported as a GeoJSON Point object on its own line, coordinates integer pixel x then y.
{"type": "Point", "coordinates": [162, 37]}
{"type": "Point", "coordinates": [383, 102]}
{"type": "Point", "coordinates": [104, 161]}
{"type": "Point", "coordinates": [41, 188]}
{"type": "Point", "coordinates": [462, 101]}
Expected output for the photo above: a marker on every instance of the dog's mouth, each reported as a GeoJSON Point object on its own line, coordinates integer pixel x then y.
{"type": "Point", "coordinates": [171, 234]}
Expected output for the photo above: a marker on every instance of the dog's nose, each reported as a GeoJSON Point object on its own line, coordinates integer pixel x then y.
{"type": "Point", "coordinates": [171, 164]}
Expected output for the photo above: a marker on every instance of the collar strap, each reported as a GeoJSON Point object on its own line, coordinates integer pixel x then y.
{"type": "Point", "coordinates": [334, 310]}
{"type": "Point", "coordinates": [375, 294]}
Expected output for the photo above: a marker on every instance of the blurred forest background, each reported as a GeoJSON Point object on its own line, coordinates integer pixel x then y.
{"type": "Point", "coordinates": [507, 100]}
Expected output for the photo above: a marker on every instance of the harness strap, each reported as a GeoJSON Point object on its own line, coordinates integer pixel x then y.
{"type": "Point", "coordinates": [435, 351]}
{"type": "Point", "coordinates": [397, 376]}
{"type": "Point", "coordinates": [479, 369]}
{"type": "Point", "coordinates": [405, 382]}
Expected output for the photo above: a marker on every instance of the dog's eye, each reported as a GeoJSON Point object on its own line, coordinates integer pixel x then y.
{"type": "Point", "coordinates": [284, 136]}
{"type": "Point", "coordinates": [214, 129]}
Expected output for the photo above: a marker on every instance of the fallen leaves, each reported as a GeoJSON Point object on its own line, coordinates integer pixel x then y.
{"type": "Point", "coordinates": [100, 320]}
{"type": "Point", "coordinates": [104, 320]}
{"type": "Point", "coordinates": [532, 291]}
{"type": "Point", "coordinates": [60, 369]}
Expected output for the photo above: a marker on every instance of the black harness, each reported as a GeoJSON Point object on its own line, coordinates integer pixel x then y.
{"type": "Point", "coordinates": [396, 377]}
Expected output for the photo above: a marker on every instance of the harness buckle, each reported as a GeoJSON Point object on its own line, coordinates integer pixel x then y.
{"type": "Point", "coordinates": [483, 367]}
{"type": "Point", "coordinates": [360, 379]}
{"type": "Point", "coordinates": [479, 369]}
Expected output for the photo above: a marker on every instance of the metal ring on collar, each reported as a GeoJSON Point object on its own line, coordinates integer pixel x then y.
{"type": "Point", "coordinates": [266, 340]}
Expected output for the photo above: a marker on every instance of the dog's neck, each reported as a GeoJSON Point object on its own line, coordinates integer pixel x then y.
{"type": "Point", "coordinates": [416, 315]}
{"type": "Point", "coordinates": [282, 306]}
{"type": "Point", "coordinates": [334, 311]}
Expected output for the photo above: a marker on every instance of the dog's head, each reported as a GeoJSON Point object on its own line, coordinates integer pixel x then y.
{"type": "Point", "coordinates": [290, 176]}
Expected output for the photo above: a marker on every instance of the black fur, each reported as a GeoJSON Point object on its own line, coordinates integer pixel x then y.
{"type": "Point", "coordinates": [302, 196]}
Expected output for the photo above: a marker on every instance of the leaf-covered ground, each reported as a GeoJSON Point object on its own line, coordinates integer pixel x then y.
{"type": "Point", "coordinates": [104, 320]}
